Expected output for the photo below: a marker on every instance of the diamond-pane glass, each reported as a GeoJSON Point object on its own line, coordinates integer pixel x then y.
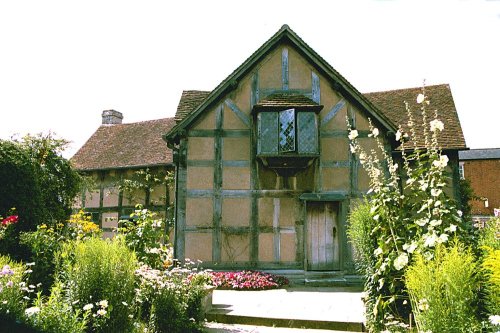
{"type": "Point", "coordinates": [307, 130]}
{"type": "Point", "coordinates": [268, 133]}
{"type": "Point", "coordinates": [287, 130]}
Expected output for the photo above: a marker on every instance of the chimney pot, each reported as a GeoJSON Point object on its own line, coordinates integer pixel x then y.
{"type": "Point", "coordinates": [111, 117]}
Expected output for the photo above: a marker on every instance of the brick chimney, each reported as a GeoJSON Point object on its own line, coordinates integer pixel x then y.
{"type": "Point", "coordinates": [111, 117]}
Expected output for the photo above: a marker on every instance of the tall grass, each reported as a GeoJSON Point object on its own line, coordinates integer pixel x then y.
{"type": "Point", "coordinates": [98, 270]}
{"type": "Point", "coordinates": [443, 290]}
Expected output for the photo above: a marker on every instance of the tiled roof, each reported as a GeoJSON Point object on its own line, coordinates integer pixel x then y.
{"type": "Point", "coordinates": [391, 104]}
{"type": "Point", "coordinates": [479, 154]}
{"type": "Point", "coordinates": [125, 146]}
{"type": "Point", "coordinates": [281, 100]}
{"type": "Point", "coordinates": [190, 99]}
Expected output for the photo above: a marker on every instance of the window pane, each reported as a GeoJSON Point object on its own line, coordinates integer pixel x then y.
{"type": "Point", "coordinates": [268, 133]}
{"type": "Point", "coordinates": [307, 129]}
{"type": "Point", "coordinates": [287, 130]}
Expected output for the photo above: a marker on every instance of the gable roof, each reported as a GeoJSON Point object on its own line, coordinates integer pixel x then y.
{"type": "Point", "coordinates": [285, 34]}
{"type": "Point", "coordinates": [479, 154]}
{"type": "Point", "coordinates": [391, 104]}
{"type": "Point", "coordinates": [190, 99]}
{"type": "Point", "coordinates": [125, 146]}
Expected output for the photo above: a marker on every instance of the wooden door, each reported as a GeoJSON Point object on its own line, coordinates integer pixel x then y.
{"type": "Point", "coordinates": [323, 236]}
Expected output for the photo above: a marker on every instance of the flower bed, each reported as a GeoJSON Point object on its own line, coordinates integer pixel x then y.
{"type": "Point", "coordinates": [247, 280]}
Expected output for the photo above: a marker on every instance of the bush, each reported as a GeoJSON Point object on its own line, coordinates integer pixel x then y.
{"type": "Point", "coordinates": [443, 291]}
{"type": "Point", "coordinates": [359, 232]}
{"type": "Point", "coordinates": [46, 241]}
{"type": "Point", "coordinates": [101, 272]}
{"type": "Point", "coordinates": [171, 301]}
{"type": "Point", "coordinates": [145, 234]}
{"type": "Point", "coordinates": [55, 314]}
{"type": "Point", "coordinates": [12, 288]}
{"type": "Point", "coordinates": [490, 266]}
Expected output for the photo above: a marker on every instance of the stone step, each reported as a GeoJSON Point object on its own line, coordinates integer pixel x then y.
{"type": "Point", "coordinates": [324, 308]}
{"type": "Point", "coordinates": [219, 316]}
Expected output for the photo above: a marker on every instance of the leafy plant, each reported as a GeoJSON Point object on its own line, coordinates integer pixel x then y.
{"type": "Point", "coordinates": [411, 215]}
{"type": "Point", "coordinates": [145, 234]}
{"type": "Point", "coordinates": [359, 232]}
{"type": "Point", "coordinates": [55, 314]}
{"type": "Point", "coordinates": [443, 290]}
{"type": "Point", "coordinates": [97, 270]}
{"type": "Point", "coordinates": [13, 288]}
{"type": "Point", "coordinates": [490, 265]}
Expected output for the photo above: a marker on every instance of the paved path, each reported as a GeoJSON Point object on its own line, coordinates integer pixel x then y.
{"type": "Point", "coordinates": [229, 328]}
{"type": "Point", "coordinates": [307, 304]}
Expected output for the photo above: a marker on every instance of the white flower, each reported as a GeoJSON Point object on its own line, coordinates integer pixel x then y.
{"type": "Point", "coordinates": [452, 228]}
{"type": "Point", "coordinates": [103, 303]}
{"type": "Point", "coordinates": [352, 148]}
{"type": "Point", "coordinates": [31, 311]}
{"type": "Point", "coordinates": [375, 132]}
{"type": "Point", "coordinates": [442, 163]}
{"type": "Point", "coordinates": [420, 98]}
{"type": "Point", "coordinates": [436, 125]}
{"type": "Point", "coordinates": [459, 212]}
{"type": "Point", "coordinates": [430, 240]}
{"type": "Point", "coordinates": [378, 251]}
{"type": "Point", "coordinates": [435, 223]}
{"type": "Point", "coordinates": [398, 135]}
{"type": "Point", "coordinates": [443, 238]}
{"type": "Point", "coordinates": [101, 312]}
{"type": "Point", "coordinates": [421, 222]}
{"type": "Point", "coordinates": [494, 320]}
{"type": "Point", "coordinates": [393, 167]}
{"type": "Point", "coordinates": [401, 261]}
{"type": "Point", "coordinates": [88, 307]}
{"type": "Point", "coordinates": [410, 248]}
{"type": "Point", "coordinates": [423, 304]}
{"type": "Point", "coordinates": [353, 134]}
{"type": "Point", "coordinates": [436, 192]}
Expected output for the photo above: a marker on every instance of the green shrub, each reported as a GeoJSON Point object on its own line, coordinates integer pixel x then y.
{"type": "Point", "coordinates": [490, 267]}
{"type": "Point", "coordinates": [443, 290]}
{"type": "Point", "coordinates": [55, 314]}
{"type": "Point", "coordinates": [145, 234]}
{"type": "Point", "coordinates": [12, 288]}
{"type": "Point", "coordinates": [98, 271]}
{"type": "Point", "coordinates": [359, 232]}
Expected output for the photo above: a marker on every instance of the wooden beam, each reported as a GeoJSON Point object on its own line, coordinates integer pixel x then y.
{"type": "Point", "coordinates": [242, 133]}
{"type": "Point", "coordinates": [254, 94]}
{"type": "Point", "coordinates": [284, 68]}
{"type": "Point", "coordinates": [240, 114]}
{"type": "Point", "coordinates": [335, 109]}
{"type": "Point", "coordinates": [180, 222]}
{"type": "Point", "coordinates": [276, 230]}
{"type": "Point", "coordinates": [315, 88]}
{"type": "Point", "coordinates": [217, 186]}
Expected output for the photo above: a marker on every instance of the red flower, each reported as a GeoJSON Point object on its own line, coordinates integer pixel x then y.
{"type": "Point", "coordinates": [10, 220]}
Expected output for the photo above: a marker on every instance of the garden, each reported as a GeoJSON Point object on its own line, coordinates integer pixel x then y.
{"type": "Point", "coordinates": [426, 267]}
{"type": "Point", "coordinates": [57, 273]}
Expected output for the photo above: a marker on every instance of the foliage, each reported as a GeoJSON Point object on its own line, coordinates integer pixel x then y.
{"type": "Point", "coordinates": [443, 290]}
{"type": "Point", "coordinates": [97, 270]}
{"type": "Point", "coordinates": [145, 181]}
{"type": "Point", "coordinates": [59, 182]}
{"type": "Point", "coordinates": [359, 231]}
{"type": "Point", "coordinates": [145, 234]}
{"type": "Point", "coordinates": [55, 314]}
{"type": "Point", "coordinates": [411, 215]}
{"type": "Point", "coordinates": [171, 301]}
{"type": "Point", "coordinates": [38, 181]}
{"type": "Point", "coordinates": [47, 240]}
{"type": "Point", "coordinates": [490, 265]}
{"type": "Point", "coordinates": [247, 280]}
{"type": "Point", "coordinates": [13, 288]}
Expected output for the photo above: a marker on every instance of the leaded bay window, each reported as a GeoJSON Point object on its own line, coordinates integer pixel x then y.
{"type": "Point", "coordinates": [287, 132]}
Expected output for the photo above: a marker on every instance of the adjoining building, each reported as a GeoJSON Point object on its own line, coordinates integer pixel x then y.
{"type": "Point", "coordinates": [482, 168]}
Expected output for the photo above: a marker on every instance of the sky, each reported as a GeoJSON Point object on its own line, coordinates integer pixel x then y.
{"type": "Point", "coordinates": [62, 62]}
